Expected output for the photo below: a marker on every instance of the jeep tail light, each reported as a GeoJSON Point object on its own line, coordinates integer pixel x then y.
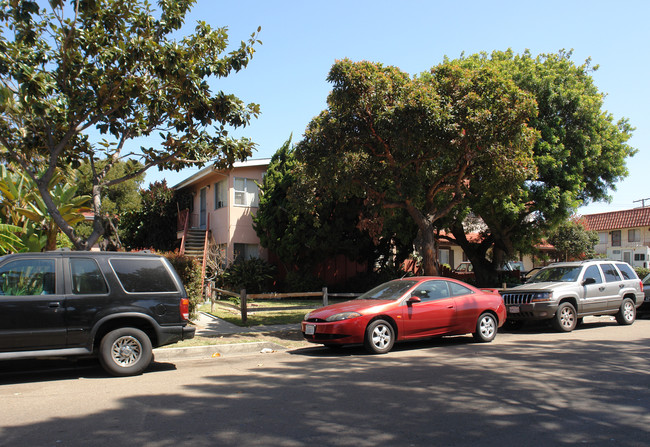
{"type": "Point", "coordinates": [641, 284]}
{"type": "Point", "coordinates": [185, 309]}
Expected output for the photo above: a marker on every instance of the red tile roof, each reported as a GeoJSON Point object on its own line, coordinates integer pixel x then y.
{"type": "Point", "coordinates": [617, 220]}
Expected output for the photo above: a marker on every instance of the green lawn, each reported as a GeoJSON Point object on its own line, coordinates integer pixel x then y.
{"type": "Point", "coordinates": [281, 312]}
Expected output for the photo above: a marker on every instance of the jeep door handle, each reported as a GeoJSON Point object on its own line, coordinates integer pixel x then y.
{"type": "Point", "coordinates": [601, 289]}
{"type": "Point", "coordinates": [54, 305]}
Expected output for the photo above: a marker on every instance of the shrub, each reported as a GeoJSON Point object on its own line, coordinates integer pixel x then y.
{"type": "Point", "coordinates": [366, 281]}
{"type": "Point", "coordinates": [189, 269]}
{"type": "Point", "coordinates": [642, 272]}
{"type": "Point", "coordinates": [255, 275]}
{"type": "Point", "coordinates": [154, 224]}
{"type": "Point", "coordinates": [297, 281]}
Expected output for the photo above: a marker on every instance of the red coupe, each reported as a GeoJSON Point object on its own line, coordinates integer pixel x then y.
{"type": "Point", "coordinates": [407, 309]}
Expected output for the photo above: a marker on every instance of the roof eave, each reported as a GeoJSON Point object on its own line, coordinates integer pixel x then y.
{"type": "Point", "coordinates": [209, 170]}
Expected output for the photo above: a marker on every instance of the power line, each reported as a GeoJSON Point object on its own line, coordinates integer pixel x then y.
{"type": "Point", "coordinates": [642, 201]}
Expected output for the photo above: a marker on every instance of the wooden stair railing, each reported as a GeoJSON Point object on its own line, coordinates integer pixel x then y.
{"type": "Point", "coordinates": [205, 253]}
{"type": "Point", "coordinates": [186, 226]}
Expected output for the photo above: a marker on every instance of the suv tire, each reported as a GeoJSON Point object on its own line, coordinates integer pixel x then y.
{"type": "Point", "coordinates": [627, 313]}
{"type": "Point", "coordinates": [125, 352]}
{"type": "Point", "coordinates": [565, 319]}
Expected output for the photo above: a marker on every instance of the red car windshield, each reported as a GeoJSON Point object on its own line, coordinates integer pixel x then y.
{"type": "Point", "coordinates": [388, 291]}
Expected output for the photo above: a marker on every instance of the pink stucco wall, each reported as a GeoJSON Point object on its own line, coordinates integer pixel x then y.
{"type": "Point", "coordinates": [232, 224]}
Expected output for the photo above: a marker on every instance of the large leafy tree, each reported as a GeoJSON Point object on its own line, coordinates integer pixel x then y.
{"type": "Point", "coordinates": [117, 67]}
{"type": "Point", "coordinates": [573, 241]}
{"type": "Point", "coordinates": [154, 223]}
{"type": "Point", "coordinates": [417, 144]}
{"type": "Point", "coordinates": [578, 157]}
{"type": "Point", "coordinates": [117, 200]}
{"type": "Point", "coordinates": [303, 224]}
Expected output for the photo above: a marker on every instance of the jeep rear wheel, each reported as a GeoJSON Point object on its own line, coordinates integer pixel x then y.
{"type": "Point", "coordinates": [627, 313]}
{"type": "Point", "coordinates": [125, 352]}
{"type": "Point", "coordinates": [565, 319]}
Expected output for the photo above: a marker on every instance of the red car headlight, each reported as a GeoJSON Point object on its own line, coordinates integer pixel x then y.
{"type": "Point", "coordinates": [343, 316]}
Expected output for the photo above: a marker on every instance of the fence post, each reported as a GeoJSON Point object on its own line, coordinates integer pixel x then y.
{"type": "Point", "coordinates": [244, 310]}
{"type": "Point", "coordinates": [325, 298]}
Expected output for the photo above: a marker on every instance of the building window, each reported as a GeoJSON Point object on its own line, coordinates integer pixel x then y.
{"type": "Point", "coordinates": [246, 192]}
{"type": "Point", "coordinates": [616, 238]}
{"type": "Point", "coordinates": [634, 235]}
{"type": "Point", "coordinates": [221, 194]}
{"type": "Point", "coordinates": [602, 238]}
{"type": "Point", "coordinates": [444, 256]}
{"type": "Point", "coordinates": [244, 252]}
{"type": "Point", "coordinates": [639, 257]}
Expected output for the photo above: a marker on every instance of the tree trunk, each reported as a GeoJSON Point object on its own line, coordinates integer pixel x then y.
{"type": "Point", "coordinates": [52, 233]}
{"type": "Point", "coordinates": [427, 247]}
{"type": "Point", "coordinates": [485, 272]}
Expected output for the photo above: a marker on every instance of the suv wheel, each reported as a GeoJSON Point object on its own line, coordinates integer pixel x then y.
{"type": "Point", "coordinates": [125, 352]}
{"type": "Point", "coordinates": [565, 319]}
{"type": "Point", "coordinates": [627, 313]}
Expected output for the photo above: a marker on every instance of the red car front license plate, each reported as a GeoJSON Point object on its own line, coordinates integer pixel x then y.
{"type": "Point", "coordinates": [310, 329]}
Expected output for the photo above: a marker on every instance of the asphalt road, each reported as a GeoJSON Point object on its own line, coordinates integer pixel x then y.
{"type": "Point", "coordinates": [534, 388]}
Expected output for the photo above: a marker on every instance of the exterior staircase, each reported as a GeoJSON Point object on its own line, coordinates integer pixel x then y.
{"type": "Point", "coordinates": [194, 242]}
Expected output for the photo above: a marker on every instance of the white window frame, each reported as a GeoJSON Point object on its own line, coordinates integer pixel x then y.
{"type": "Point", "coordinates": [634, 235]}
{"type": "Point", "coordinates": [246, 192]}
{"type": "Point", "coordinates": [221, 194]}
{"type": "Point", "coordinates": [603, 238]}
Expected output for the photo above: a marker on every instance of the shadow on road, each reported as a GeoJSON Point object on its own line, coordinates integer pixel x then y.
{"type": "Point", "coordinates": [49, 370]}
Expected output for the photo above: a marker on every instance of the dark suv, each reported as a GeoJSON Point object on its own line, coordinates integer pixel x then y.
{"type": "Point", "coordinates": [117, 306]}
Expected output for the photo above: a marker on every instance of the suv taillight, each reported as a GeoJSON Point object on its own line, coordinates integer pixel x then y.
{"type": "Point", "coordinates": [641, 283]}
{"type": "Point", "coordinates": [185, 308]}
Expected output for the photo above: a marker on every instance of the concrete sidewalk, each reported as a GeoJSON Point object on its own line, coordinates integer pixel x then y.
{"type": "Point", "coordinates": [211, 326]}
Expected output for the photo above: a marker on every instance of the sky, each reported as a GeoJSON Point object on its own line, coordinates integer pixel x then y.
{"type": "Point", "coordinates": [302, 39]}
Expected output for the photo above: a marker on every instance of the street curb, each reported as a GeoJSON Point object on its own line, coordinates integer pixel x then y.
{"type": "Point", "coordinates": [214, 351]}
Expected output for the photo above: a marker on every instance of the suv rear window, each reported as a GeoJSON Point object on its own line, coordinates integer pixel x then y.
{"type": "Point", "coordinates": [141, 275]}
{"type": "Point", "coordinates": [626, 271]}
{"type": "Point", "coordinates": [611, 274]}
{"type": "Point", "coordinates": [87, 278]}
